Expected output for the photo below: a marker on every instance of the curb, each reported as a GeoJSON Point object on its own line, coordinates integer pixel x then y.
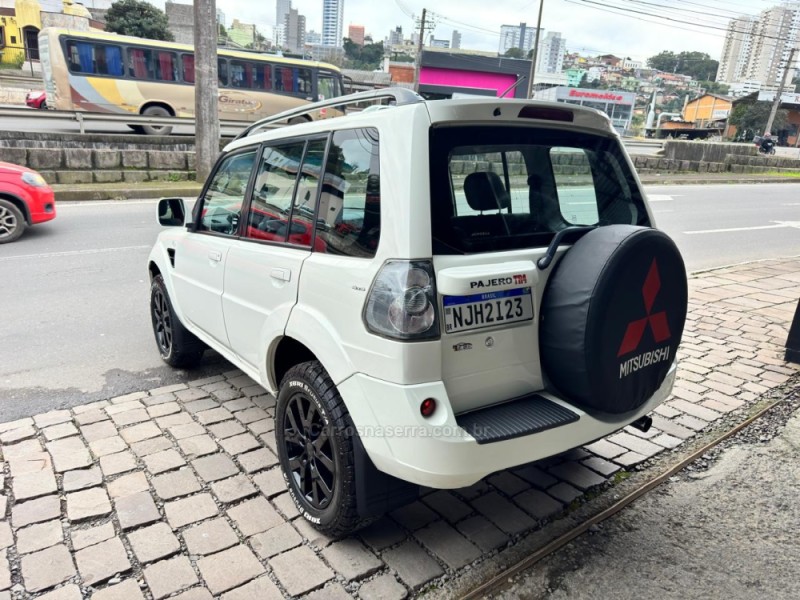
{"type": "Point", "coordinates": [723, 181]}
{"type": "Point", "coordinates": [125, 194]}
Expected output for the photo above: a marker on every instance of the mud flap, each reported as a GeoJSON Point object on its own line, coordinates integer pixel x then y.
{"type": "Point", "coordinates": [376, 492]}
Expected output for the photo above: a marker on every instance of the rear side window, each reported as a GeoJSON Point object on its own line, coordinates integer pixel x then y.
{"type": "Point", "coordinates": [272, 196]}
{"type": "Point", "coordinates": [495, 188]}
{"type": "Point", "coordinates": [349, 217]}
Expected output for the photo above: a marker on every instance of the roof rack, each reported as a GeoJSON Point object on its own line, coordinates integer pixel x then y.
{"type": "Point", "coordinates": [399, 95]}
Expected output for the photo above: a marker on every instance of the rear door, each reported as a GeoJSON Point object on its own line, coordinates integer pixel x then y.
{"type": "Point", "coordinates": [263, 270]}
{"type": "Point", "coordinates": [498, 197]}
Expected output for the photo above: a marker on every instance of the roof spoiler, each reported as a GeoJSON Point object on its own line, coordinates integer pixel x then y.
{"type": "Point", "coordinates": [398, 96]}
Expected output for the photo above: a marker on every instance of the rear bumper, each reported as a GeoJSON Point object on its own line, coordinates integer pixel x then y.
{"type": "Point", "coordinates": [436, 452]}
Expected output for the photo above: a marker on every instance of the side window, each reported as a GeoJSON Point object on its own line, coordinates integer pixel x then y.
{"type": "Point", "coordinates": [575, 185]}
{"type": "Point", "coordinates": [349, 217]}
{"type": "Point", "coordinates": [158, 65]}
{"type": "Point", "coordinates": [305, 199]}
{"type": "Point", "coordinates": [273, 192]}
{"type": "Point", "coordinates": [188, 67]}
{"type": "Point", "coordinates": [95, 59]}
{"type": "Point", "coordinates": [222, 71]}
{"type": "Point", "coordinates": [293, 80]}
{"type": "Point", "coordinates": [222, 203]}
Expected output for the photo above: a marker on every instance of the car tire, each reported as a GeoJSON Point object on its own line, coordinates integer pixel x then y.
{"type": "Point", "coordinates": [156, 111]}
{"type": "Point", "coordinates": [12, 222]}
{"type": "Point", "coordinates": [177, 345]}
{"type": "Point", "coordinates": [314, 435]}
{"type": "Point", "coordinates": [612, 317]}
{"type": "Point", "coordinates": [43, 106]}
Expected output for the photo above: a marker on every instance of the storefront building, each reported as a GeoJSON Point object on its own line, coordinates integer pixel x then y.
{"type": "Point", "coordinates": [617, 105]}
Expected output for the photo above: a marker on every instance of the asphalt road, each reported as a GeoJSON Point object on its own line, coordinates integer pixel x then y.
{"type": "Point", "coordinates": [74, 292]}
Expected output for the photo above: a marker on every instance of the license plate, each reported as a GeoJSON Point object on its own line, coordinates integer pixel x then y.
{"type": "Point", "coordinates": [462, 313]}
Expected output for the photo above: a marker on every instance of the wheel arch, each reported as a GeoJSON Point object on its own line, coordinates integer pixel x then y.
{"type": "Point", "coordinates": [159, 103]}
{"type": "Point", "coordinates": [286, 353]}
{"type": "Point", "coordinates": [19, 203]}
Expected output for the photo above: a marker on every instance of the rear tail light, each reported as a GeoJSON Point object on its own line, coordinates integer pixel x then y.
{"type": "Point", "coordinates": [402, 301]}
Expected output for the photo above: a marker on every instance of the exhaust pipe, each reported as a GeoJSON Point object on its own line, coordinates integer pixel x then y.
{"type": "Point", "coordinates": [643, 424]}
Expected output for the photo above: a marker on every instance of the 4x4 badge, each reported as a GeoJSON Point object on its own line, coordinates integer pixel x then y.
{"type": "Point", "coordinates": [658, 322]}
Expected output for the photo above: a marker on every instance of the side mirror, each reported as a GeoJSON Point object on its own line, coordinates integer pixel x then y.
{"type": "Point", "coordinates": [171, 212]}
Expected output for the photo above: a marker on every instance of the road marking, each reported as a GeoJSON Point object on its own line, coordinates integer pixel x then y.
{"type": "Point", "coordinates": [82, 203]}
{"type": "Point", "coordinates": [778, 225]}
{"type": "Point", "coordinates": [791, 204]}
{"type": "Point", "coordinates": [74, 252]}
{"type": "Point", "coordinates": [660, 197]}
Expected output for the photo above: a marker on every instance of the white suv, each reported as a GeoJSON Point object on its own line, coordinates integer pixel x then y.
{"type": "Point", "coordinates": [434, 291]}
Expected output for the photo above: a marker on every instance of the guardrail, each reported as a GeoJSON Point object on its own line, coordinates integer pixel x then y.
{"type": "Point", "coordinates": [82, 117]}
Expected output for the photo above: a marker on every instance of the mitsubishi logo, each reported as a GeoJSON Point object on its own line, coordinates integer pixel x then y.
{"type": "Point", "coordinates": [658, 322]}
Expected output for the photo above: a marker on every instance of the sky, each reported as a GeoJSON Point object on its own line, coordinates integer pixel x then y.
{"type": "Point", "coordinates": [589, 26]}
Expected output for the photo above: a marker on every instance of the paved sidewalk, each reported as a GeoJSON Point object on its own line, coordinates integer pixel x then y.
{"type": "Point", "coordinates": [176, 490]}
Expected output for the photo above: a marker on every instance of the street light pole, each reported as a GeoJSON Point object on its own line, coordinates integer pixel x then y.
{"type": "Point", "coordinates": [535, 49]}
{"type": "Point", "coordinates": [206, 133]}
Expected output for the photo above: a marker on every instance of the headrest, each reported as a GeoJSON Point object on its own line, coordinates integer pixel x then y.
{"type": "Point", "coordinates": [484, 191]}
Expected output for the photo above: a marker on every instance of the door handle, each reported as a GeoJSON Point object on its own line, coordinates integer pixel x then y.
{"type": "Point", "coordinates": [281, 274]}
{"type": "Point", "coordinates": [215, 255]}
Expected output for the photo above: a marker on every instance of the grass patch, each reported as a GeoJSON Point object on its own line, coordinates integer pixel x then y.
{"type": "Point", "coordinates": [792, 174]}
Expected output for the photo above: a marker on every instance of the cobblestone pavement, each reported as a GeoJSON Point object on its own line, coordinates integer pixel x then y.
{"type": "Point", "coordinates": [175, 491]}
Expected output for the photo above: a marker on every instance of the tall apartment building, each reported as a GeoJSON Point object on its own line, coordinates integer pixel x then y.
{"type": "Point", "coordinates": [221, 19]}
{"type": "Point", "coordinates": [332, 23]}
{"type": "Point", "coordinates": [550, 58]}
{"type": "Point", "coordinates": [282, 8]}
{"type": "Point", "coordinates": [395, 37]}
{"type": "Point", "coordinates": [756, 49]}
{"type": "Point", "coordinates": [455, 41]}
{"type": "Point", "coordinates": [517, 36]}
{"type": "Point", "coordinates": [356, 34]}
{"type": "Point", "coordinates": [295, 31]}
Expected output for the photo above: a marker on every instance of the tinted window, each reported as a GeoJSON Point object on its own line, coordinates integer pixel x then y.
{"type": "Point", "coordinates": [222, 71]}
{"type": "Point", "coordinates": [222, 203]}
{"type": "Point", "coordinates": [349, 218]}
{"type": "Point", "coordinates": [293, 80]}
{"type": "Point", "coordinates": [94, 59]}
{"type": "Point", "coordinates": [188, 67]}
{"type": "Point", "coordinates": [305, 198]}
{"type": "Point", "coordinates": [327, 86]}
{"type": "Point", "coordinates": [273, 193]}
{"type": "Point", "coordinates": [158, 65]}
{"type": "Point", "coordinates": [507, 188]}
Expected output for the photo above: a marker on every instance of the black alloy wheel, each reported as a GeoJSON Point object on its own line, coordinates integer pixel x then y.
{"type": "Point", "coordinates": [177, 345]}
{"type": "Point", "coordinates": [315, 443]}
{"type": "Point", "coordinates": [310, 450]}
{"type": "Point", "coordinates": [162, 322]}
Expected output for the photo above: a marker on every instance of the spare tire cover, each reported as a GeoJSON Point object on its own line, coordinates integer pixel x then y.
{"type": "Point", "coordinates": [612, 317]}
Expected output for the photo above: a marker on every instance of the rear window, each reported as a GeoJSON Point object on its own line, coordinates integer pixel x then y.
{"type": "Point", "coordinates": [501, 188]}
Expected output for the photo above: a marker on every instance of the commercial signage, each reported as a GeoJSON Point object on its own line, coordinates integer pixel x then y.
{"type": "Point", "coordinates": [720, 114]}
{"type": "Point", "coordinates": [589, 95]}
{"type": "Point", "coordinates": [786, 97]}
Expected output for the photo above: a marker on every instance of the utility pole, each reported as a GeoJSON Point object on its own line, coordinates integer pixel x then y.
{"type": "Point", "coordinates": [535, 49]}
{"type": "Point", "coordinates": [777, 102]}
{"type": "Point", "coordinates": [418, 65]}
{"type": "Point", "coordinates": [206, 117]}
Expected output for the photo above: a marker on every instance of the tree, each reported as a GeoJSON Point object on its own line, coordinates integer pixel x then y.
{"type": "Point", "coordinates": [751, 118]}
{"type": "Point", "coordinates": [697, 65]}
{"type": "Point", "coordinates": [514, 53]}
{"type": "Point", "coordinates": [367, 57]}
{"type": "Point", "coordinates": [138, 18]}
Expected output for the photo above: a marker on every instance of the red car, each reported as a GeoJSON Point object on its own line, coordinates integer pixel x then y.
{"type": "Point", "coordinates": [36, 99]}
{"type": "Point", "coordinates": [25, 199]}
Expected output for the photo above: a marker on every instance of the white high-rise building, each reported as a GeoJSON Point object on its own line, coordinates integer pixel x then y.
{"type": "Point", "coordinates": [550, 58]}
{"type": "Point", "coordinates": [517, 36]}
{"type": "Point", "coordinates": [332, 23]}
{"type": "Point", "coordinates": [455, 42]}
{"type": "Point", "coordinates": [756, 49]}
{"type": "Point", "coordinates": [282, 8]}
